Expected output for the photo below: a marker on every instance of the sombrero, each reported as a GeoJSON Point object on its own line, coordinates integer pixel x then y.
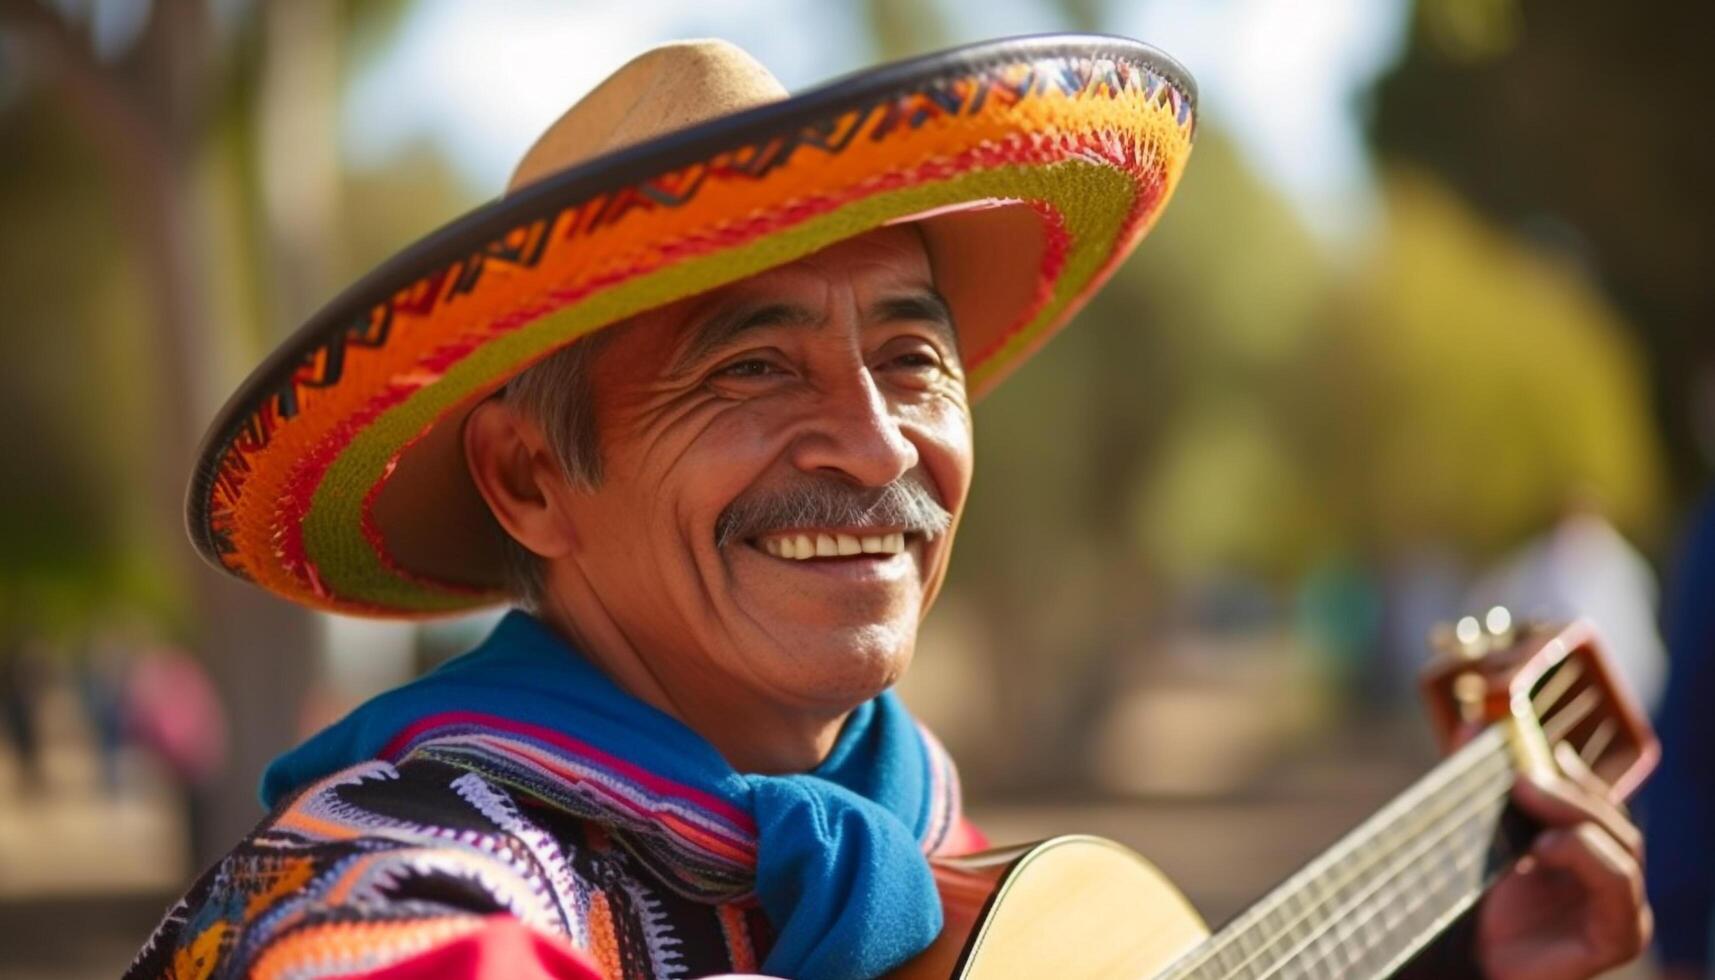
{"type": "Point", "coordinates": [335, 475]}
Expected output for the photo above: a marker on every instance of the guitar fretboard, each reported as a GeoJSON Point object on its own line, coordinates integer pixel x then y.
{"type": "Point", "coordinates": [1385, 890]}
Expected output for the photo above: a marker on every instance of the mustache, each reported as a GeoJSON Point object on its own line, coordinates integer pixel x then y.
{"type": "Point", "coordinates": [906, 503]}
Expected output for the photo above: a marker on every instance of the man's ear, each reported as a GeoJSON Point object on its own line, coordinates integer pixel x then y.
{"type": "Point", "coordinates": [516, 472]}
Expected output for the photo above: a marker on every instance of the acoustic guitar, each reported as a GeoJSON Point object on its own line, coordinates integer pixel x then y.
{"type": "Point", "coordinates": [1087, 907]}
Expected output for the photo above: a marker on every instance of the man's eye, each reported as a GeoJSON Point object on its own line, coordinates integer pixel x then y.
{"type": "Point", "coordinates": [916, 360]}
{"type": "Point", "coordinates": [751, 367]}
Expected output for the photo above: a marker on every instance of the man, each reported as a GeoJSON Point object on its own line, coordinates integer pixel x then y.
{"type": "Point", "coordinates": [728, 511]}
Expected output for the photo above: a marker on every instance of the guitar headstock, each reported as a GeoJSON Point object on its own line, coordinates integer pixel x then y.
{"type": "Point", "coordinates": [1566, 682]}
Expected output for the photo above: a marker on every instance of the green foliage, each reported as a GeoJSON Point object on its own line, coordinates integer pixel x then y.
{"type": "Point", "coordinates": [1235, 285]}
{"type": "Point", "coordinates": [902, 28]}
{"type": "Point", "coordinates": [1228, 494]}
{"type": "Point", "coordinates": [1582, 121]}
{"type": "Point", "coordinates": [1471, 30]}
{"type": "Point", "coordinates": [1476, 388]}
{"type": "Point", "coordinates": [384, 211]}
{"type": "Point", "coordinates": [76, 416]}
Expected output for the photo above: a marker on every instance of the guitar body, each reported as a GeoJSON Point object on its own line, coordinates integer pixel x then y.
{"type": "Point", "coordinates": [1071, 907]}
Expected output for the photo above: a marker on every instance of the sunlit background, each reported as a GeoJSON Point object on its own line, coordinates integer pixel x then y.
{"type": "Point", "coordinates": [1426, 328]}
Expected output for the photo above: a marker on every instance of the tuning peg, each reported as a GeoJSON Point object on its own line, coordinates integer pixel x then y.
{"type": "Point", "coordinates": [1498, 623]}
{"type": "Point", "coordinates": [1471, 638]}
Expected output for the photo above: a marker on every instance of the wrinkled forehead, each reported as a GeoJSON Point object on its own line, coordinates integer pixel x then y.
{"type": "Point", "coordinates": [890, 255]}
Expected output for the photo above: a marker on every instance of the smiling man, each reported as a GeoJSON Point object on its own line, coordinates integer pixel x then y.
{"type": "Point", "coordinates": [699, 401]}
{"type": "Point", "coordinates": [779, 463]}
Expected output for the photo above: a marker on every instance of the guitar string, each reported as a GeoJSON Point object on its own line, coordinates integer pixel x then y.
{"type": "Point", "coordinates": [1556, 725]}
{"type": "Point", "coordinates": [1464, 858]}
{"type": "Point", "coordinates": [1460, 766]}
{"type": "Point", "coordinates": [1487, 761]}
{"type": "Point", "coordinates": [1338, 860]}
{"type": "Point", "coordinates": [1397, 872]}
{"type": "Point", "coordinates": [1575, 711]}
{"type": "Point", "coordinates": [1456, 904]}
{"type": "Point", "coordinates": [1449, 907]}
{"type": "Point", "coordinates": [1578, 708]}
{"type": "Point", "coordinates": [1598, 741]}
{"type": "Point", "coordinates": [1558, 683]}
{"type": "Point", "coordinates": [1323, 946]}
{"type": "Point", "coordinates": [1388, 864]}
{"type": "Point", "coordinates": [1428, 930]}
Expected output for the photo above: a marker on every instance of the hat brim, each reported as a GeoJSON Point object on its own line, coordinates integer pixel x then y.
{"type": "Point", "coordinates": [1034, 165]}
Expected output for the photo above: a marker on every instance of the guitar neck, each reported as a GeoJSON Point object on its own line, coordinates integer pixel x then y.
{"type": "Point", "coordinates": [1386, 889]}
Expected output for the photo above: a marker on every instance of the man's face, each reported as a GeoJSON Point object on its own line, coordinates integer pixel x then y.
{"type": "Point", "coordinates": [818, 404]}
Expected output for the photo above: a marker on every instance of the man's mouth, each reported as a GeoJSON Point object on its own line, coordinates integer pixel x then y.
{"type": "Point", "coordinates": [805, 545]}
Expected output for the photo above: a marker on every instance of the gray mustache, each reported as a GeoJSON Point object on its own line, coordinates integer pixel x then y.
{"type": "Point", "coordinates": [906, 503]}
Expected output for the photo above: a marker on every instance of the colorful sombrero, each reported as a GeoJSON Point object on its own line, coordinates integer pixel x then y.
{"type": "Point", "coordinates": [335, 476]}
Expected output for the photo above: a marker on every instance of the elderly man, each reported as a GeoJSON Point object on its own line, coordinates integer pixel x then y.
{"type": "Point", "coordinates": [726, 512]}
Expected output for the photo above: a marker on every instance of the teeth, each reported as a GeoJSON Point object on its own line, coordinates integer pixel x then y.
{"type": "Point", "coordinates": [801, 546]}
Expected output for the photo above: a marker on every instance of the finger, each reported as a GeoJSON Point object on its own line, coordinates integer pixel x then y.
{"type": "Point", "coordinates": [1559, 802]}
{"type": "Point", "coordinates": [1591, 853]}
{"type": "Point", "coordinates": [1613, 881]}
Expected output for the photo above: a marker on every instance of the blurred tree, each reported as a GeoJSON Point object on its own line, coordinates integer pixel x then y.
{"type": "Point", "coordinates": [213, 129]}
{"type": "Point", "coordinates": [62, 535]}
{"type": "Point", "coordinates": [1235, 287]}
{"type": "Point", "coordinates": [152, 115]}
{"type": "Point", "coordinates": [413, 194]}
{"type": "Point", "coordinates": [1465, 388]}
{"type": "Point", "coordinates": [1582, 123]}
{"type": "Point", "coordinates": [903, 28]}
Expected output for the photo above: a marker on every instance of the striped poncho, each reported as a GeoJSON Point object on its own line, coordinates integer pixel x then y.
{"type": "Point", "coordinates": [451, 828]}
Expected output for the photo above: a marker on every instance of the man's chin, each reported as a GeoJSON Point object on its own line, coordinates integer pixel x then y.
{"type": "Point", "coordinates": [842, 666]}
{"type": "Point", "coordinates": [837, 631]}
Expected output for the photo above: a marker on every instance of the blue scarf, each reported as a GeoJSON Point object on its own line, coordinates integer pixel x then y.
{"type": "Point", "coordinates": [835, 856]}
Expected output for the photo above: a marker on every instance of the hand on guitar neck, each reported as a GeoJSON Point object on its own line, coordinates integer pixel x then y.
{"type": "Point", "coordinates": [1574, 905]}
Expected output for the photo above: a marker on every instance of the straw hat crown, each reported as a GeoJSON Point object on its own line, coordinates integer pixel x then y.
{"type": "Point", "coordinates": [666, 88]}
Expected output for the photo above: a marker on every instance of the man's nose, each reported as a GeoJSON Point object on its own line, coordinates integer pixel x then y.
{"type": "Point", "coordinates": [855, 434]}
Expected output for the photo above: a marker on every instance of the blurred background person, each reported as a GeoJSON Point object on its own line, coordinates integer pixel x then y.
{"type": "Point", "coordinates": [170, 707]}
{"type": "Point", "coordinates": [1582, 566]}
{"type": "Point", "coordinates": [19, 693]}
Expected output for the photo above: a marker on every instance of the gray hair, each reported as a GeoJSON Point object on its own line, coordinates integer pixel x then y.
{"type": "Point", "coordinates": [556, 393]}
